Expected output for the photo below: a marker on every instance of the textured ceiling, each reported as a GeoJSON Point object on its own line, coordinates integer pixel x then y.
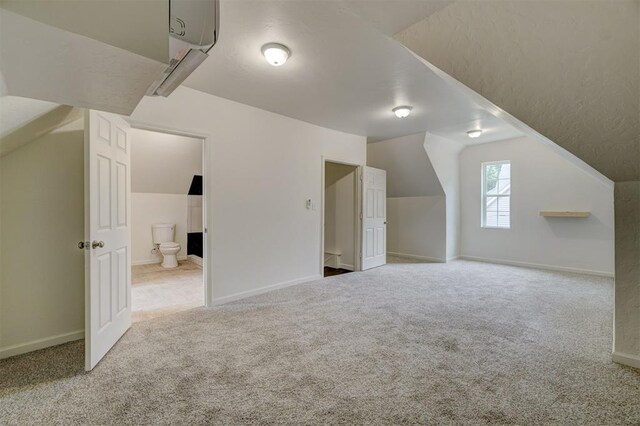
{"type": "Point", "coordinates": [44, 62]}
{"type": "Point", "coordinates": [344, 72]}
{"type": "Point", "coordinates": [570, 70]}
{"type": "Point", "coordinates": [136, 26]}
{"type": "Point", "coordinates": [391, 16]}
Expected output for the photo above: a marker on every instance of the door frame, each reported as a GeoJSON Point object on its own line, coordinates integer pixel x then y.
{"type": "Point", "coordinates": [206, 222]}
{"type": "Point", "coordinates": [357, 218]}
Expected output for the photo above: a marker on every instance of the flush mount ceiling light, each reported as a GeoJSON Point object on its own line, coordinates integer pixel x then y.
{"type": "Point", "coordinates": [402, 111]}
{"type": "Point", "coordinates": [276, 54]}
{"type": "Point", "coordinates": [474, 133]}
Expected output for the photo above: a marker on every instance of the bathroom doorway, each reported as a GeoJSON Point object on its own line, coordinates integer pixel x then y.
{"type": "Point", "coordinates": [340, 218]}
{"type": "Point", "coordinates": [167, 223]}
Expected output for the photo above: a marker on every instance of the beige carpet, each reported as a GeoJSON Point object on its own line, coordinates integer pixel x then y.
{"type": "Point", "coordinates": [457, 343]}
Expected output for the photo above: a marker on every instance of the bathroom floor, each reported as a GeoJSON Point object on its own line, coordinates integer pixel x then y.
{"type": "Point", "coordinates": [156, 291]}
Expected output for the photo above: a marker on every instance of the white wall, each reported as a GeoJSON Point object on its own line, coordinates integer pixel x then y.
{"type": "Point", "coordinates": [261, 167]}
{"type": "Point", "coordinates": [541, 180]}
{"type": "Point", "coordinates": [416, 227]}
{"type": "Point", "coordinates": [339, 219]}
{"type": "Point", "coordinates": [163, 163]}
{"type": "Point", "coordinates": [194, 214]}
{"type": "Point", "coordinates": [416, 208]}
{"type": "Point", "coordinates": [42, 220]}
{"type": "Point", "coordinates": [444, 156]}
{"type": "Point", "coordinates": [147, 209]}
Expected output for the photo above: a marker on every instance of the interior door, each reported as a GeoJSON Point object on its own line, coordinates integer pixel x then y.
{"type": "Point", "coordinates": [374, 218]}
{"type": "Point", "coordinates": [108, 233]}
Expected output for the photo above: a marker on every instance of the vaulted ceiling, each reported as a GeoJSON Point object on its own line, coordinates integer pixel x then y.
{"type": "Point", "coordinates": [569, 70]}
{"type": "Point", "coordinates": [344, 73]}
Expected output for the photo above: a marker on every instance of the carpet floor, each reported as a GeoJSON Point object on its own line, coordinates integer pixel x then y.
{"type": "Point", "coordinates": [456, 343]}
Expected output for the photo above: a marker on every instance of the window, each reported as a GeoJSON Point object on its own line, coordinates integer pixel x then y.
{"type": "Point", "coordinates": [496, 194]}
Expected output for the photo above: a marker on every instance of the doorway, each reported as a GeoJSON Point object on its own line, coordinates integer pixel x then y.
{"type": "Point", "coordinates": [340, 218]}
{"type": "Point", "coordinates": [166, 223]}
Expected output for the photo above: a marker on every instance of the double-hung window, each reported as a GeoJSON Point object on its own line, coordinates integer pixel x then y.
{"type": "Point", "coordinates": [496, 194]}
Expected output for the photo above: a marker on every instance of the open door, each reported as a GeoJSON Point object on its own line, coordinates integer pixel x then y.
{"type": "Point", "coordinates": [107, 232]}
{"type": "Point", "coordinates": [374, 220]}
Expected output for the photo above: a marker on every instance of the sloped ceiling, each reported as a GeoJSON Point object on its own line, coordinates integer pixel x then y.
{"type": "Point", "coordinates": [37, 126]}
{"type": "Point", "coordinates": [344, 72]}
{"type": "Point", "coordinates": [140, 27]}
{"type": "Point", "coordinates": [409, 171]}
{"type": "Point", "coordinates": [392, 16]}
{"type": "Point", "coordinates": [181, 157]}
{"type": "Point", "coordinates": [44, 62]}
{"type": "Point", "coordinates": [570, 70]}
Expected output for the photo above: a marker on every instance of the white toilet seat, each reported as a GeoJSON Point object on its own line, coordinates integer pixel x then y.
{"type": "Point", "coordinates": [169, 245]}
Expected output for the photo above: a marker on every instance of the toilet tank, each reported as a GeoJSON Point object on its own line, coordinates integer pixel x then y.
{"type": "Point", "coordinates": [163, 232]}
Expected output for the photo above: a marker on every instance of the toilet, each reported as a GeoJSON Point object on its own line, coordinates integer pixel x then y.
{"type": "Point", "coordinates": [163, 236]}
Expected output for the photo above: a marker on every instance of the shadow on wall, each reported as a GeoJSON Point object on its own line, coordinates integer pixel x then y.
{"type": "Point", "coordinates": [589, 228]}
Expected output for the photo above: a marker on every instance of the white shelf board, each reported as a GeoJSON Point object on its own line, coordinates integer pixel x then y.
{"type": "Point", "coordinates": [564, 214]}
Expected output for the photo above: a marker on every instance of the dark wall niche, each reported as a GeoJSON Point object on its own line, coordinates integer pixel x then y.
{"type": "Point", "coordinates": [194, 243]}
{"type": "Point", "coordinates": [196, 186]}
{"type": "Point", "coordinates": [194, 239]}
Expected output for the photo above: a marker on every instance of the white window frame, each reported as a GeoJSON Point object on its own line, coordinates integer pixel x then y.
{"type": "Point", "coordinates": [483, 213]}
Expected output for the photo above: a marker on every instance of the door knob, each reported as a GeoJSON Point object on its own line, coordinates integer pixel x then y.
{"type": "Point", "coordinates": [95, 244]}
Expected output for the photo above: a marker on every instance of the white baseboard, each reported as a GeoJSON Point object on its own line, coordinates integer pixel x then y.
{"type": "Point", "coordinates": [262, 290]}
{"type": "Point", "coordinates": [538, 266]}
{"type": "Point", "coordinates": [449, 259]}
{"type": "Point", "coordinates": [626, 359]}
{"type": "Point", "coordinates": [413, 256]}
{"type": "Point", "coordinates": [153, 261]}
{"type": "Point", "coordinates": [345, 266]}
{"type": "Point", "coordinates": [34, 345]}
{"type": "Point", "coordinates": [195, 259]}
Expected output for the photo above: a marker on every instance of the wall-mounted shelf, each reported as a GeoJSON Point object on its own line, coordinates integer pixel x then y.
{"type": "Point", "coordinates": [565, 214]}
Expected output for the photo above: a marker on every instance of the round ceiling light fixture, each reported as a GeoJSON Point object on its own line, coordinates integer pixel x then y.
{"type": "Point", "coordinates": [276, 54]}
{"type": "Point", "coordinates": [402, 111]}
{"type": "Point", "coordinates": [474, 133]}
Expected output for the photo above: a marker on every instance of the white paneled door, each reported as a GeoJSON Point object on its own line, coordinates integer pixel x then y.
{"type": "Point", "coordinates": [108, 232]}
{"type": "Point", "coordinates": [374, 218]}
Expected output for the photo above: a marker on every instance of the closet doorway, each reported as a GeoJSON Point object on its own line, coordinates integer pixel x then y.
{"type": "Point", "coordinates": [340, 214]}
